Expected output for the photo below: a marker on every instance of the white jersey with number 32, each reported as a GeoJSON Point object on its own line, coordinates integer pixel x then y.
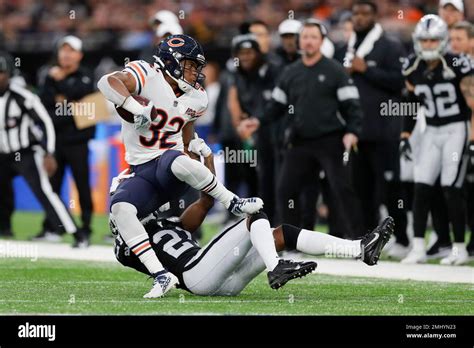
{"type": "Point", "coordinates": [173, 114]}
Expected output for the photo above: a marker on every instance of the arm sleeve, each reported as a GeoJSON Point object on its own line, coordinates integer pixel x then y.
{"type": "Point", "coordinates": [388, 77]}
{"type": "Point", "coordinates": [349, 103]}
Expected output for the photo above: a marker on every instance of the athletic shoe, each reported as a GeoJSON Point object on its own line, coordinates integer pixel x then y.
{"type": "Point", "coordinates": [240, 206]}
{"type": "Point", "coordinates": [398, 251]}
{"type": "Point", "coordinates": [48, 236]}
{"type": "Point", "coordinates": [81, 239]}
{"type": "Point", "coordinates": [287, 270]}
{"type": "Point", "coordinates": [164, 281]}
{"type": "Point", "coordinates": [458, 256]}
{"type": "Point", "coordinates": [372, 244]}
{"type": "Point", "coordinates": [438, 251]}
{"type": "Point", "coordinates": [415, 256]}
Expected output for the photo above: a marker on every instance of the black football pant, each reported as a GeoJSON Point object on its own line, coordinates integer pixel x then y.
{"type": "Point", "coordinates": [77, 157]}
{"type": "Point", "coordinates": [29, 164]}
{"type": "Point", "coordinates": [301, 164]}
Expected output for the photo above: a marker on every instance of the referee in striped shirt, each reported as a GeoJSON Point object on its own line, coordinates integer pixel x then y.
{"type": "Point", "coordinates": [27, 145]}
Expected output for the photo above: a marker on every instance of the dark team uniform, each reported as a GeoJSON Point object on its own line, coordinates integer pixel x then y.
{"type": "Point", "coordinates": [447, 116]}
{"type": "Point", "coordinates": [173, 246]}
{"type": "Point", "coordinates": [441, 148]}
{"type": "Point", "coordinates": [223, 267]}
{"type": "Point", "coordinates": [442, 97]}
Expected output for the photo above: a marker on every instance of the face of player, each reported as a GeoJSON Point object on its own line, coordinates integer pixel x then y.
{"type": "Point", "coordinates": [363, 17]}
{"type": "Point", "coordinates": [248, 58]}
{"type": "Point", "coordinates": [450, 14]}
{"type": "Point", "coordinates": [459, 41]}
{"type": "Point", "coordinates": [311, 40]}
{"type": "Point", "coordinates": [429, 44]}
{"type": "Point", "coordinates": [68, 57]}
{"type": "Point", "coordinates": [263, 36]}
{"type": "Point", "coordinates": [289, 43]}
{"type": "Point", "coordinates": [191, 71]}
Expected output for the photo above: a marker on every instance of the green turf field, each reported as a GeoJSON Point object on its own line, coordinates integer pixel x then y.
{"type": "Point", "coordinates": [75, 287]}
{"type": "Point", "coordinates": [84, 287]}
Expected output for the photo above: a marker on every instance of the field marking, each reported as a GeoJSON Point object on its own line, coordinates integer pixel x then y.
{"type": "Point", "coordinates": [339, 267]}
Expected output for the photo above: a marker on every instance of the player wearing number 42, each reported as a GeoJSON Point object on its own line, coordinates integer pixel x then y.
{"type": "Point", "coordinates": [159, 101]}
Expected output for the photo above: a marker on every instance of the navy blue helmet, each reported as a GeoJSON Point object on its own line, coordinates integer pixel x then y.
{"type": "Point", "coordinates": [172, 55]}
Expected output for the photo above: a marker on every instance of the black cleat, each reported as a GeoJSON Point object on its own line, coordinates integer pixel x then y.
{"type": "Point", "coordinates": [287, 270]}
{"type": "Point", "coordinates": [81, 239]}
{"type": "Point", "coordinates": [373, 243]}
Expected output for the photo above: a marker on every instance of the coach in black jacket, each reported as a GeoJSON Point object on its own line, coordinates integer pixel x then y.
{"type": "Point", "coordinates": [68, 82]}
{"type": "Point", "coordinates": [325, 116]}
{"type": "Point", "coordinates": [374, 61]}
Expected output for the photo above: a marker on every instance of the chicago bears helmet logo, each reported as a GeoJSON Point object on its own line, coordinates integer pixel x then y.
{"type": "Point", "coordinates": [175, 42]}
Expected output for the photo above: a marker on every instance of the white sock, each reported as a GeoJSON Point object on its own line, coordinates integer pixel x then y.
{"type": "Point", "coordinates": [419, 244]}
{"type": "Point", "coordinates": [317, 243]}
{"type": "Point", "coordinates": [199, 177]}
{"type": "Point", "coordinates": [261, 235]}
{"type": "Point", "coordinates": [135, 235]}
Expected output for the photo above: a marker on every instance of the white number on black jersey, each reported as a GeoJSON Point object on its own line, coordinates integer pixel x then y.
{"type": "Point", "coordinates": [441, 101]}
{"type": "Point", "coordinates": [175, 242]}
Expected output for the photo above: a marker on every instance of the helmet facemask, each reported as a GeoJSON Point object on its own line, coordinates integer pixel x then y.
{"type": "Point", "coordinates": [431, 27]}
{"type": "Point", "coordinates": [176, 65]}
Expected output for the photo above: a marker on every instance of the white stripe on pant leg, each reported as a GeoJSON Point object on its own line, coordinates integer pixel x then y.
{"type": "Point", "coordinates": [52, 197]}
{"type": "Point", "coordinates": [464, 160]}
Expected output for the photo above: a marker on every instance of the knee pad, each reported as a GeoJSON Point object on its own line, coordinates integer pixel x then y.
{"type": "Point", "coordinates": [290, 235]}
{"type": "Point", "coordinates": [190, 171]}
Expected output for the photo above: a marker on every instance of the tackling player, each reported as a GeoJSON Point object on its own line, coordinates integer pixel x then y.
{"type": "Point", "coordinates": [233, 258]}
{"type": "Point", "coordinates": [443, 83]}
{"type": "Point", "coordinates": [160, 170]}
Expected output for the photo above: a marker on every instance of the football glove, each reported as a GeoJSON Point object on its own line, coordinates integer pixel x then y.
{"type": "Point", "coordinates": [405, 149]}
{"type": "Point", "coordinates": [199, 147]}
{"type": "Point", "coordinates": [142, 121]}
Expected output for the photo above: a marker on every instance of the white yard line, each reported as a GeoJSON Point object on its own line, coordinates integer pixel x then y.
{"type": "Point", "coordinates": [340, 267]}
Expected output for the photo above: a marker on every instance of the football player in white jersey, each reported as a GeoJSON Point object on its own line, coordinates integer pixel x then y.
{"type": "Point", "coordinates": [160, 170]}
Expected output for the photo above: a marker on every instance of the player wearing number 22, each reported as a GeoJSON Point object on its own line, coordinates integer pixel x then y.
{"type": "Point", "coordinates": [155, 136]}
{"type": "Point", "coordinates": [444, 84]}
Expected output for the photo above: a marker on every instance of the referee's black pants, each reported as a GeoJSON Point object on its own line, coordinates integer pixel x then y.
{"type": "Point", "coordinates": [77, 157]}
{"type": "Point", "coordinates": [301, 164]}
{"type": "Point", "coordinates": [29, 164]}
